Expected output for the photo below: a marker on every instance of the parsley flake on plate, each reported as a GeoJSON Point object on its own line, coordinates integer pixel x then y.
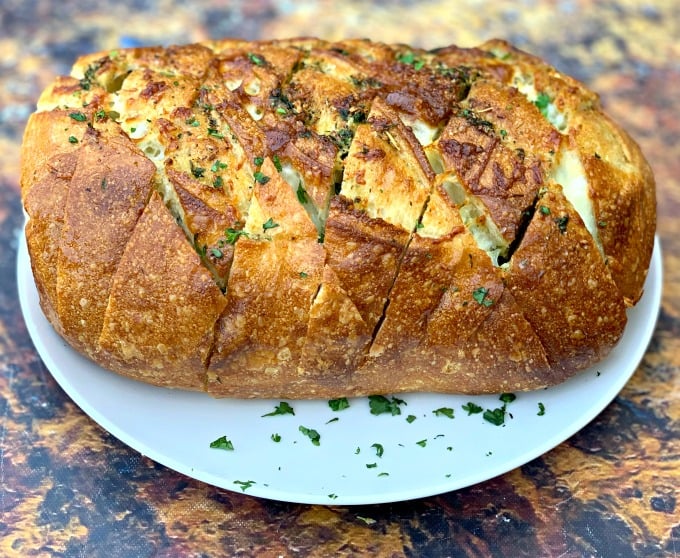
{"type": "Point", "coordinates": [472, 408]}
{"type": "Point", "coordinates": [495, 416]}
{"type": "Point", "coordinates": [282, 408]}
{"type": "Point", "coordinates": [222, 443]}
{"type": "Point", "coordinates": [245, 485]}
{"type": "Point", "coordinates": [312, 434]}
{"type": "Point", "coordinates": [336, 404]}
{"type": "Point", "coordinates": [379, 404]}
{"type": "Point", "coordinates": [444, 412]}
{"type": "Point", "coordinates": [507, 397]}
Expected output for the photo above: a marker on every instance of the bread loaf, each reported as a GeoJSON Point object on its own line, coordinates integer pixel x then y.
{"type": "Point", "coordinates": [308, 219]}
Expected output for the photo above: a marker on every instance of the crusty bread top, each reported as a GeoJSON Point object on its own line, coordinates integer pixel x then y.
{"type": "Point", "coordinates": [300, 218]}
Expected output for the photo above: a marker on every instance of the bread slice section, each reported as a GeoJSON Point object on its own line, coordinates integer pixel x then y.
{"type": "Point", "coordinates": [109, 189]}
{"type": "Point", "coordinates": [163, 306]}
{"type": "Point", "coordinates": [275, 275]}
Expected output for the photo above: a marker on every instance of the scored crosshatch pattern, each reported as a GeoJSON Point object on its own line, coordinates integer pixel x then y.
{"type": "Point", "coordinates": [479, 182]}
{"type": "Point", "coordinates": [68, 488]}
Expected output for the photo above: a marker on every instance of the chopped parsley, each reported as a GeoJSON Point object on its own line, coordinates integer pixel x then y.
{"type": "Point", "coordinates": [544, 210]}
{"type": "Point", "coordinates": [333, 496]}
{"type": "Point", "coordinates": [276, 438]}
{"type": "Point", "coordinates": [312, 434]}
{"type": "Point", "coordinates": [371, 465]}
{"type": "Point", "coordinates": [278, 99]}
{"type": "Point", "coordinates": [72, 139]}
{"type": "Point", "coordinates": [218, 166]}
{"type": "Point", "coordinates": [216, 252]}
{"type": "Point", "coordinates": [335, 404]}
{"type": "Point", "coordinates": [379, 404]}
{"type": "Point", "coordinates": [277, 163]}
{"type": "Point", "coordinates": [282, 408]}
{"type": "Point", "coordinates": [269, 224]}
{"type": "Point", "coordinates": [444, 412]}
{"type": "Point", "coordinates": [507, 397]}
{"type": "Point", "coordinates": [232, 235]}
{"type": "Point", "coordinates": [301, 194]}
{"type": "Point", "coordinates": [379, 449]}
{"type": "Point", "coordinates": [78, 116]}
{"type": "Point", "coordinates": [90, 74]}
{"type": "Point", "coordinates": [222, 443]}
{"type": "Point", "coordinates": [472, 408]}
{"type": "Point", "coordinates": [410, 418]}
{"type": "Point", "coordinates": [495, 416]}
{"type": "Point", "coordinates": [409, 58]}
{"type": "Point", "coordinates": [365, 82]}
{"type": "Point", "coordinates": [303, 275]}
{"type": "Point", "coordinates": [334, 419]}
{"type": "Point", "coordinates": [192, 122]}
{"type": "Point", "coordinates": [480, 295]}
{"type": "Point", "coordinates": [218, 182]}
{"type": "Point", "coordinates": [422, 443]}
{"type": "Point", "coordinates": [198, 172]}
{"type": "Point", "coordinates": [215, 133]}
{"type": "Point", "coordinates": [245, 485]}
{"type": "Point", "coordinates": [562, 223]}
{"type": "Point", "coordinates": [255, 59]}
{"type": "Point", "coordinates": [542, 101]}
{"type": "Point", "coordinates": [342, 138]}
{"type": "Point", "coordinates": [257, 161]}
{"type": "Point", "coordinates": [474, 119]}
{"type": "Point", "coordinates": [541, 409]}
{"type": "Point", "coordinates": [261, 178]}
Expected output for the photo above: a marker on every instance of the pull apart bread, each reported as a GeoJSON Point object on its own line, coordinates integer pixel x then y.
{"type": "Point", "coordinates": [307, 219]}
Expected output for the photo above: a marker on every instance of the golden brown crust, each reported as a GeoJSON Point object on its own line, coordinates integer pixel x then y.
{"type": "Point", "coordinates": [578, 317]}
{"type": "Point", "coordinates": [301, 218]}
{"type": "Point", "coordinates": [162, 307]}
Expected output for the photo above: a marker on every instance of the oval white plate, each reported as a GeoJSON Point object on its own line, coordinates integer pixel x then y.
{"type": "Point", "coordinates": [361, 458]}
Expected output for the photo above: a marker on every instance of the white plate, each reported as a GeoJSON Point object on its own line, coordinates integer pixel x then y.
{"type": "Point", "coordinates": [430, 455]}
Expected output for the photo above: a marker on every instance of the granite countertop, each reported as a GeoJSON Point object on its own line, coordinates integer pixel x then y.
{"type": "Point", "coordinates": [69, 488]}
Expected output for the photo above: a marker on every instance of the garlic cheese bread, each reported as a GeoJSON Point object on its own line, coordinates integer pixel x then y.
{"type": "Point", "coordinates": [310, 219]}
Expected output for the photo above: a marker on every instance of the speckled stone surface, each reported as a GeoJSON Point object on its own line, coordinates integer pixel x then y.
{"type": "Point", "coordinates": [68, 488]}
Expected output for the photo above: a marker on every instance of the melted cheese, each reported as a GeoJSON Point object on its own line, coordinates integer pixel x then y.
{"type": "Point", "coordinates": [297, 182]}
{"type": "Point", "coordinates": [570, 174]}
{"type": "Point", "coordinates": [476, 219]}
